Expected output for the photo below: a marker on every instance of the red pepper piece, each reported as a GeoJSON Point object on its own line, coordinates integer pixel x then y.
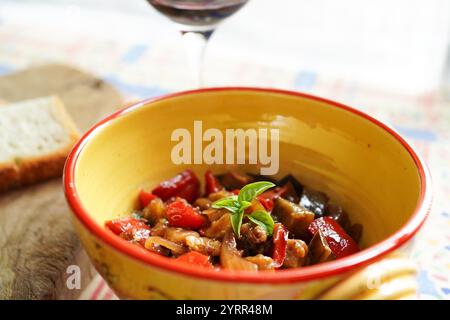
{"type": "Point", "coordinates": [266, 202]}
{"type": "Point", "coordinates": [267, 198]}
{"type": "Point", "coordinates": [190, 192]}
{"type": "Point", "coordinates": [212, 184]}
{"type": "Point", "coordinates": [182, 214]}
{"type": "Point", "coordinates": [236, 191]}
{"type": "Point", "coordinates": [340, 243]}
{"type": "Point", "coordinates": [185, 184]}
{"type": "Point", "coordinates": [145, 198]}
{"type": "Point", "coordinates": [280, 237]}
{"type": "Point", "coordinates": [130, 229]}
{"type": "Point", "coordinates": [196, 258]}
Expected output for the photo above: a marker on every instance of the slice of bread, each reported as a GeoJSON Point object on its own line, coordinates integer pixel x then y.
{"type": "Point", "coordinates": [35, 138]}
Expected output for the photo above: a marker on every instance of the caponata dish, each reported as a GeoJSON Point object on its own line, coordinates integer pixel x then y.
{"type": "Point", "coordinates": [240, 222]}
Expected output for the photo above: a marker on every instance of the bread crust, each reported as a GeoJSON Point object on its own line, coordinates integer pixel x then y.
{"type": "Point", "coordinates": [31, 170]}
{"type": "Point", "coordinates": [9, 177]}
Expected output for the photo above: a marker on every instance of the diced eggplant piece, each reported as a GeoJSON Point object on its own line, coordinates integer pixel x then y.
{"type": "Point", "coordinates": [232, 180]}
{"type": "Point", "coordinates": [155, 211]}
{"type": "Point", "coordinates": [296, 254]}
{"type": "Point", "coordinates": [314, 201]}
{"type": "Point", "coordinates": [294, 217]}
{"type": "Point", "coordinates": [336, 212]}
{"type": "Point", "coordinates": [230, 257]}
{"type": "Point", "coordinates": [252, 239]}
{"type": "Point", "coordinates": [355, 231]}
{"type": "Point", "coordinates": [219, 227]}
{"type": "Point", "coordinates": [214, 214]}
{"type": "Point", "coordinates": [254, 234]}
{"type": "Point", "coordinates": [319, 250]}
{"type": "Point", "coordinates": [219, 195]}
{"type": "Point", "coordinates": [290, 193]}
{"type": "Point", "coordinates": [203, 203]}
{"type": "Point", "coordinates": [297, 186]}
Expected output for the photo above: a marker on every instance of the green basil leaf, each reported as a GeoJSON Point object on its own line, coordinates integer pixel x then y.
{"type": "Point", "coordinates": [236, 222]}
{"type": "Point", "coordinates": [226, 202]}
{"type": "Point", "coordinates": [250, 191]}
{"type": "Point", "coordinates": [263, 219]}
{"type": "Point", "coordinates": [245, 204]}
{"type": "Point", "coordinates": [231, 209]}
{"type": "Point", "coordinates": [237, 204]}
{"type": "Point", "coordinates": [259, 223]}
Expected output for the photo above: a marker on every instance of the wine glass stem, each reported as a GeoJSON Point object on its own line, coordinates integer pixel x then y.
{"type": "Point", "coordinates": [195, 43]}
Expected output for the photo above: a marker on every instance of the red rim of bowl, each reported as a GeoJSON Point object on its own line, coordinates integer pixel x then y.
{"type": "Point", "coordinates": [314, 272]}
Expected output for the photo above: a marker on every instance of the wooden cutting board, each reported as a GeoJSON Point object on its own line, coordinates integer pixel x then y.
{"type": "Point", "coordinates": [37, 240]}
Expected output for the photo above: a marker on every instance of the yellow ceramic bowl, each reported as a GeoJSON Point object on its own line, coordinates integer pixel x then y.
{"type": "Point", "coordinates": [358, 161]}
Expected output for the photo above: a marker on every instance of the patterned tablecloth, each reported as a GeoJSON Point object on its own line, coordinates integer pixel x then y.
{"type": "Point", "coordinates": [362, 61]}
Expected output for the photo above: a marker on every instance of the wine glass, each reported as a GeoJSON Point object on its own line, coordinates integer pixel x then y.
{"type": "Point", "coordinates": [197, 20]}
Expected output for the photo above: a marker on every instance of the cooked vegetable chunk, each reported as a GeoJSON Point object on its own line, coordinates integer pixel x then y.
{"type": "Point", "coordinates": [219, 227]}
{"type": "Point", "coordinates": [130, 229]}
{"type": "Point", "coordinates": [145, 198]}
{"type": "Point", "coordinates": [154, 242]}
{"type": "Point", "coordinates": [267, 199]}
{"type": "Point", "coordinates": [184, 185]}
{"type": "Point", "coordinates": [290, 179]}
{"type": "Point", "coordinates": [219, 195]}
{"type": "Point", "coordinates": [233, 180]}
{"type": "Point", "coordinates": [182, 214]}
{"type": "Point", "coordinates": [280, 238]}
{"type": "Point", "coordinates": [294, 217]}
{"type": "Point", "coordinates": [263, 262]}
{"type": "Point", "coordinates": [155, 210]}
{"type": "Point", "coordinates": [196, 259]}
{"type": "Point", "coordinates": [203, 203]}
{"type": "Point", "coordinates": [338, 214]}
{"type": "Point", "coordinates": [231, 259]}
{"type": "Point", "coordinates": [340, 243]}
{"type": "Point", "coordinates": [319, 250]}
{"type": "Point", "coordinates": [314, 201]}
{"type": "Point", "coordinates": [253, 238]}
{"type": "Point", "coordinates": [296, 253]}
{"type": "Point", "coordinates": [203, 245]}
{"type": "Point", "coordinates": [212, 184]}
{"type": "Point", "coordinates": [254, 234]}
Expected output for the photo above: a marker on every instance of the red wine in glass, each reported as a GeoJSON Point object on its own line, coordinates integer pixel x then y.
{"type": "Point", "coordinates": [197, 20]}
{"type": "Point", "coordinates": [198, 13]}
